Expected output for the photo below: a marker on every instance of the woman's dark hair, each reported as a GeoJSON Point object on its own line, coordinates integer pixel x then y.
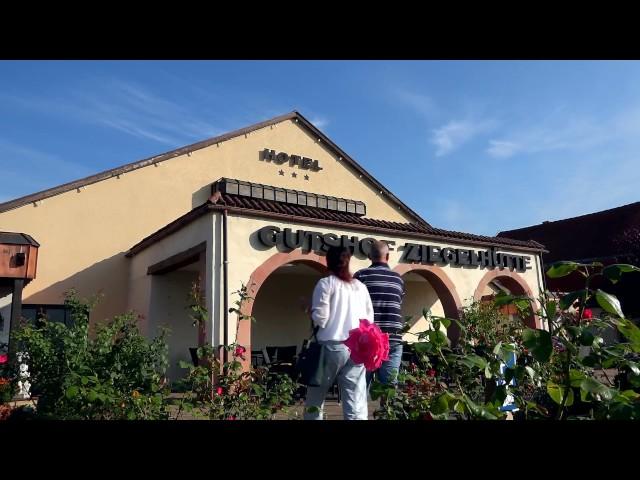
{"type": "Point", "coordinates": [338, 259]}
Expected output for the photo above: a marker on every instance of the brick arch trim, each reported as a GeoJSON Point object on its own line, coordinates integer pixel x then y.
{"type": "Point", "coordinates": [444, 287]}
{"type": "Point", "coordinates": [260, 275]}
{"type": "Point", "coordinates": [516, 284]}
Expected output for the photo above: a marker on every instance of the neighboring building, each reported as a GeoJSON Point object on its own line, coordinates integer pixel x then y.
{"type": "Point", "coordinates": [142, 234]}
{"type": "Point", "coordinates": [610, 236]}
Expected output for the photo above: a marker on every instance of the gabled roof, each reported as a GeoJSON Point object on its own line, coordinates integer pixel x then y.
{"type": "Point", "coordinates": [595, 236]}
{"type": "Point", "coordinates": [13, 238]}
{"type": "Point", "coordinates": [318, 216]}
{"type": "Point", "coordinates": [19, 202]}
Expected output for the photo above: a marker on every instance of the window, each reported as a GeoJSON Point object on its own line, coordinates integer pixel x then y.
{"type": "Point", "coordinates": [53, 313]}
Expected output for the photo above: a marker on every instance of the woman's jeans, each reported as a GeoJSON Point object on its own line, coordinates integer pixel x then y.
{"type": "Point", "coordinates": [351, 382]}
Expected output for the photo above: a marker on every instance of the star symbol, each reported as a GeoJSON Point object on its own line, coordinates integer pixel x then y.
{"type": "Point", "coordinates": [306, 177]}
{"type": "Point", "coordinates": [281, 172]}
{"type": "Point", "coordinates": [294, 174]}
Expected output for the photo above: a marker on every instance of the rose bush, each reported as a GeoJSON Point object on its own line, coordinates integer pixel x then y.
{"type": "Point", "coordinates": [552, 377]}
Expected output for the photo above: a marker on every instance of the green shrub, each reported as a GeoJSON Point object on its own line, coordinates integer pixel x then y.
{"type": "Point", "coordinates": [114, 374]}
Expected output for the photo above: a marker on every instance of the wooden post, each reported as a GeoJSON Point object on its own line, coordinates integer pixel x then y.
{"type": "Point", "coordinates": [16, 309]}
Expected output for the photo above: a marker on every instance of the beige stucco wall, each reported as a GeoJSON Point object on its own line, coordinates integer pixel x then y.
{"type": "Point", "coordinates": [84, 234]}
{"type": "Point", "coordinates": [419, 295]}
{"type": "Point", "coordinates": [245, 255]}
{"type": "Point", "coordinates": [280, 320]}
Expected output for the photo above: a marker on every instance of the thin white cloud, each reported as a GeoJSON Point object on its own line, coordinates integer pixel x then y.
{"type": "Point", "coordinates": [573, 133]}
{"type": "Point", "coordinates": [420, 103]}
{"type": "Point", "coordinates": [502, 149]}
{"type": "Point", "coordinates": [319, 122]}
{"type": "Point", "coordinates": [454, 134]}
{"type": "Point", "coordinates": [128, 108]}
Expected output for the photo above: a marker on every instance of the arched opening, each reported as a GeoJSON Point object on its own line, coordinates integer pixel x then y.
{"type": "Point", "coordinates": [278, 287]}
{"type": "Point", "coordinates": [281, 325]}
{"type": "Point", "coordinates": [497, 281]}
{"type": "Point", "coordinates": [428, 287]}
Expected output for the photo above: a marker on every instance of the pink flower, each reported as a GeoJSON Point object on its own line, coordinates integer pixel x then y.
{"type": "Point", "coordinates": [431, 373]}
{"type": "Point", "coordinates": [231, 417]}
{"type": "Point", "coordinates": [239, 351]}
{"type": "Point", "coordinates": [4, 358]}
{"type": "Point", "coordinates": [219, 391]}
{"type": "Point", "coordinates": [368, 345]}
{"type": "Point", "coordinates": [587, 313]}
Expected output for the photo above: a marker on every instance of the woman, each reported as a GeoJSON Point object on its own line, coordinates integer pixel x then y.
{"type": "Point", "coordinates": [339, 302]}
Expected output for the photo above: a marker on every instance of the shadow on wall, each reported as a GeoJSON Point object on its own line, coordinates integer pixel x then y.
{"type": "Point", "coordinates": [109, 277]}
{"type": "Point", "coordinates": [201, 195]}
{"type": "Point", "coordinates": [169, 302]}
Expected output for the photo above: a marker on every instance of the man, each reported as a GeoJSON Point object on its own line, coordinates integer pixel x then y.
{"type": "Point", "coordinates": [386, 289]}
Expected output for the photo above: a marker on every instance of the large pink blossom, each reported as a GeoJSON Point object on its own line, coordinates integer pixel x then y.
{"type": "Point", "coordinates": [4, 358]}
{"type": "Point", "coordinates": [368, 345]}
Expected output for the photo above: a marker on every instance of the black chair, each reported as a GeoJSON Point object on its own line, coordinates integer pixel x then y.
{"type": "Point", "coordinates": [282, 359]}
{"type": "Point", "coordinates": [258, 359]}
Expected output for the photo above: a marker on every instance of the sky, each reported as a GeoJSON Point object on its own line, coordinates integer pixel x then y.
{"type": "Point", "coordinates": [472, 146]}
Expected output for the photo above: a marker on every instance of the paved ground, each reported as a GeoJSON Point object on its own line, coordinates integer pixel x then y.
{"type": "Point", "coordinates": [332, 411]}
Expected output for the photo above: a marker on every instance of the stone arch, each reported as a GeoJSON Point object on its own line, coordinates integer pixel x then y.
{"type": "Point", "coordinates": [444, 288]}
{"type": "Point", "coordinates": [516, 285]}
{"type": "Point", "coordinates": [260, 275]}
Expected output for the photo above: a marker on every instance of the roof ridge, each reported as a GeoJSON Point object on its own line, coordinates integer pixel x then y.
{"type": "Point", "coordinates": [549, 222]}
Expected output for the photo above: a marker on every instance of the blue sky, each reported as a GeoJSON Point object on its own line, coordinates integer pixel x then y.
{"type": "Point", "coordinates": [475, 146]}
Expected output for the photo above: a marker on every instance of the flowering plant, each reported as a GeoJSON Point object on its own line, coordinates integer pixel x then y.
{"type": "Point", "coordinates": [368, 345]}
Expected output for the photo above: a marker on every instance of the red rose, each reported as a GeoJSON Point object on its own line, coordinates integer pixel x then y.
{"type": "Point", "coordinates": [239, 351]}
{"type": "Point", "coordinates": [587, 313]}
{"type": "Point", "coordinates": [368, 345]}
{"type": "Point", "coordinates": [4, 358]}
{"type": "Point", "coordinates": [219, 391]}
{"type": "Point", "coordinates": [431, 373]}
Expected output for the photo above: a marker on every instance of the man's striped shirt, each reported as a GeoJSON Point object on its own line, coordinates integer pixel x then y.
{"type": "Point", "coordinates": [386, 289]}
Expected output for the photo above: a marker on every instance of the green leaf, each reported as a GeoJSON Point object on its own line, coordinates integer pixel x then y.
{"type": "Point", "coordinates": [502, 299]}
{"type": "Point", "coordinates": [633, 366]}
{"type": "Point", "coordinates": [71, 392]}
{"type": "Point", "coordinates": [551, 308]}
{"type": "Point", "coordinates": [594, 387]}
{"type": "Point", "coordinates": [445, 321]}
{"type": "Point", "coordinates": [440, 404]}
{"type": "Point", "coordinates": [487, 371]}
{"type": "Point", "coordinates": [586, 338]}
{"type": "Point", "coordinates": [92, 395]}
{"type": "Point", "coordinates": [567, 300]}
{"type": "Point", "coordinates": [556, 392]}
{"type": "Point", "coordinates": [539, 343]}
{"type": "Point", "coordinates": [183, 364]}
{"type": "Point", "coordinates": [438, 338]}
{"type": "Point", "coordinates": [459, 407]}
{"type": "Point", "coordinates": [614, 272]}
{"type": "Point", "coordinates": [84, 380]}
{"type": "Point", "coordinates": [497, 348]}
{"type": "Point", "coordinates": [531, 372]}
{"type": "Point", "coordinates": [576, 377]}
{"type": "Point", "coordinates": [609, 303]}
{"type": "Point", "coordinates": [562, 269]}
{"type": "Point", "coordinates": [473, 360]}
{"type": "Point", "coordinates": [630, 331]}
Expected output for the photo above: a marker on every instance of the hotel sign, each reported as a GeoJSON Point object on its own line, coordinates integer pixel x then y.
{"type": "Point", "coordinates": [305, 163]}
{"type": "Point", "coordinates": [288, 239]}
